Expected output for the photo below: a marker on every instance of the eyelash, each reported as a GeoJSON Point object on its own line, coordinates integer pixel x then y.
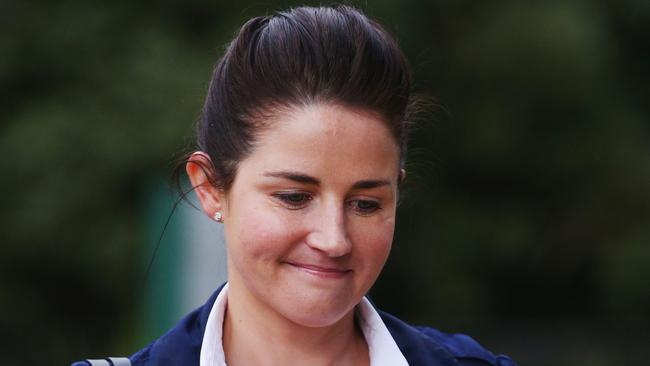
{"type": "Point", "coordinates": [374, 207]}
{"type": "Point", "coordinates": [298, 200]}
{"type": "Point", "coordinates": [288, 199]}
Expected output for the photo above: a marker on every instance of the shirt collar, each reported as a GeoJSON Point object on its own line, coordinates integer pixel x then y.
{"type": "Point", "coordinates": [381, 346]}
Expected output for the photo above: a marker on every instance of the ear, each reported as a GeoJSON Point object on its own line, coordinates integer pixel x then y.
{"type": "Point", "coordinates": [402, 176]}
{"type": "Point", "coordinates": [198, 169]}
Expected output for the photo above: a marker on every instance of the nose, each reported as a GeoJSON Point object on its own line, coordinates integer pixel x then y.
{"type": "Point", "coordinates": [329, 234]}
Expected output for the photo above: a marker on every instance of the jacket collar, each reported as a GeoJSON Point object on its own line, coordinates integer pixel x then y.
{"type": "Point", "coordinates": [417, 348]}
{"type": "Point", "coordinates": [182, 344]}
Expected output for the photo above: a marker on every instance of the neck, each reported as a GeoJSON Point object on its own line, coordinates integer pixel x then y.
{"type": "Point", "coordinates": [255, 334]}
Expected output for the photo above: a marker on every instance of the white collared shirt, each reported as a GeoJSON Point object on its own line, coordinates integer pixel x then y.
{"type": "Point", "coordinates": [382, 348]}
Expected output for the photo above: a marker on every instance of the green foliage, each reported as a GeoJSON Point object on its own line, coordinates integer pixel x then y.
{"type": "Point", "coordinates": [528, 200]}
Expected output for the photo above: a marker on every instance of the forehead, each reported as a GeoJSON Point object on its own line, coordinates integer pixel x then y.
{"type": "Point", "coordinates": [326, 138]}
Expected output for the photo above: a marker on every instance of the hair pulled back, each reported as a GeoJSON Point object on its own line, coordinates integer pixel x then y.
{"type": "Point", "coordinates": [300, 57]}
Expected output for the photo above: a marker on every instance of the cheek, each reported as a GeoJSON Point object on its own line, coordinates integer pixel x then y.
{"type": "Point", "coordinates": [259, 235]}
{"type": "Point", "coordinates": [374, 243]}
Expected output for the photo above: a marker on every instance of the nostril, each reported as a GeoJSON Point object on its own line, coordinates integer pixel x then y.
{"type": "Point", "coordinates": [334, 245]}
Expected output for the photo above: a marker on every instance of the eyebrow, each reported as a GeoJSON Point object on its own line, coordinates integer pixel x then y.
{"type": "Point", "coordinates": [304, 178]}
{"type": "Point", "coordinates": [370, 183]}
{"type": "Point", "coordinates": [294, 176]}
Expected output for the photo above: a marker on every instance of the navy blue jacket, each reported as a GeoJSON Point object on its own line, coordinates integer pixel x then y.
{"type": "Point", "coordinates": [419, 345]}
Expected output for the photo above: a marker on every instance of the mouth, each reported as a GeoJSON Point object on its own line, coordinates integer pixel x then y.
{"type": "Point", "coordinates": [322, 272]}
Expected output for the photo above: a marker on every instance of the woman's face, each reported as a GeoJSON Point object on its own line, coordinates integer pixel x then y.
{"type": "Point", "coordinates": [309, 218]}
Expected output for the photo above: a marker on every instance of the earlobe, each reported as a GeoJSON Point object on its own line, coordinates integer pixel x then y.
{"type": "Point", "coordinates": [402, 176]}
{"type": "Point", "coordinates": [198, 168]}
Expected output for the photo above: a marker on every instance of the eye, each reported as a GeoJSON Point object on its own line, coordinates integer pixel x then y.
{"type": "Point", "coordinates": [365, 207]}
{"type": "Point", "coordinates": [293, 200]}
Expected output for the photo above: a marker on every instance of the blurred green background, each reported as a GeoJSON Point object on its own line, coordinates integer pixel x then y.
{"type": "Point", "coordinates": [525, 221]}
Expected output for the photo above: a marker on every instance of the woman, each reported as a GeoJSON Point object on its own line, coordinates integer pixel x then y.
{"type": "Point", "coordinates": [301, 148]}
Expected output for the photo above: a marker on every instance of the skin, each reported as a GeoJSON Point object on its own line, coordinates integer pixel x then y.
{"type": "Point", "coordinates": [309, 222]}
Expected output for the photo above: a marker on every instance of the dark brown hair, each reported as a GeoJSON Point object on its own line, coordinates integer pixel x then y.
{"type": "Point", "coordinates": [302, 56]}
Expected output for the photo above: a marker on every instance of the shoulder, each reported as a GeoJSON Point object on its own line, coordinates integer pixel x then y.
{"type": "Point", "coordinates": [181, 345]}
{"type": "Point", "coordinates": [429, 346]}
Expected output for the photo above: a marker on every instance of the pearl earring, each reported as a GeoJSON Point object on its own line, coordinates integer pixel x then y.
{"type": "Point", "coordinates": [217, 216]}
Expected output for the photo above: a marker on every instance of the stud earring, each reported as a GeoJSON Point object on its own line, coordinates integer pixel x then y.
{"type": "Point", "coordinates": [217, 216]}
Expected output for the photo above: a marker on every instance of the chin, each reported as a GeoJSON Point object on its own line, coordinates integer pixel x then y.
{"type": "Point", "coordinates": [317, 312]}
{"type": "Point", "coordinates": [317, 319]}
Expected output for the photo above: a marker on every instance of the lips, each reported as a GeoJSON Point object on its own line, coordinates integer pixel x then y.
{"type": "Point", "coordinates": [321, 271]}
